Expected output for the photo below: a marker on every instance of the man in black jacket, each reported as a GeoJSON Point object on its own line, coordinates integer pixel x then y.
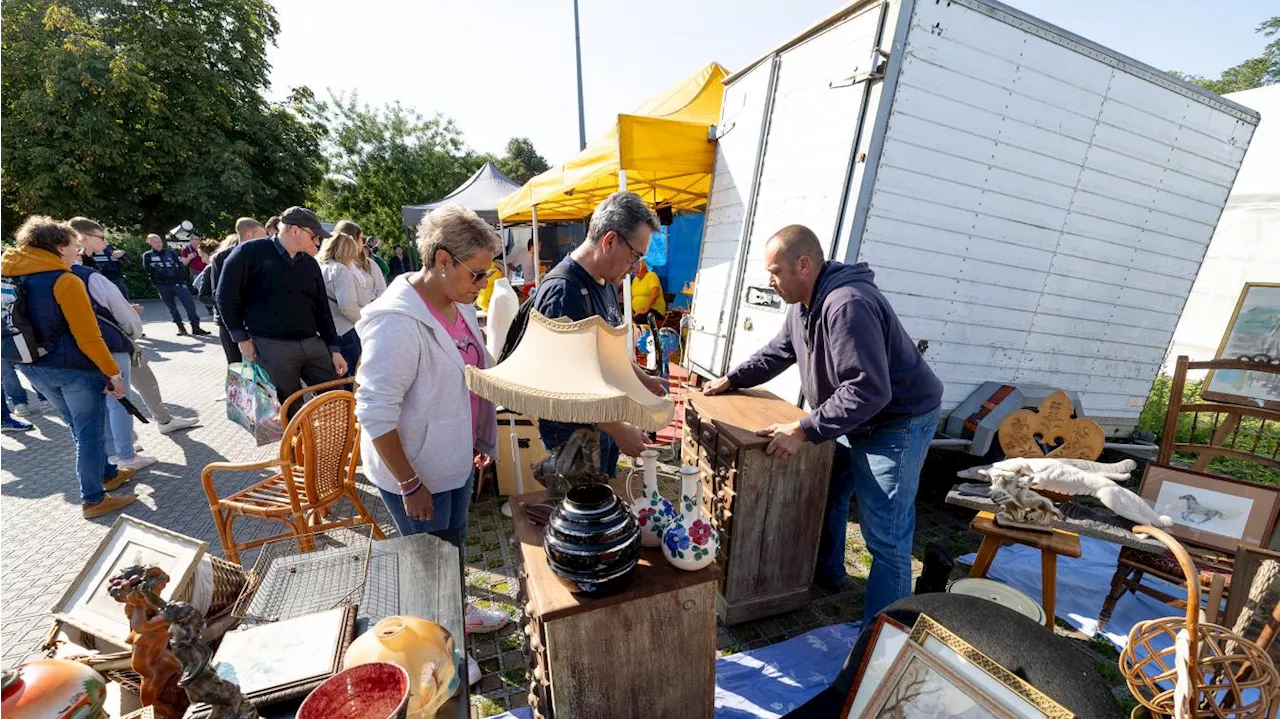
{"type": "Point", "coordinates": [169, 275]}
{"type": "Point", "coordinates": [271, 297]}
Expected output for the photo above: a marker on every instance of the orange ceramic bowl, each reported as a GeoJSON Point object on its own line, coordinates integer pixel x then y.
{"type": "Point", "coordinates": [379, 690]}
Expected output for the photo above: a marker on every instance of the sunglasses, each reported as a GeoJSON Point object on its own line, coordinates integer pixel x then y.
{"type": "Point", "coordinates": [476, 277]}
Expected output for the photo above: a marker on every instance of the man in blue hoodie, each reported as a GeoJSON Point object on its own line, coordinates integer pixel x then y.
{"type": "Point", "coordinates": [868, 385]}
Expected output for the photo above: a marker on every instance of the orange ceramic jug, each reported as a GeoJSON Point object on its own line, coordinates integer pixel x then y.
{"type": "Point", "coordinates": [424, 649]}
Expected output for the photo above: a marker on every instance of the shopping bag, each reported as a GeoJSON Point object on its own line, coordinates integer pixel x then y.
{"type": "Point", "coordinates": [252, 402]}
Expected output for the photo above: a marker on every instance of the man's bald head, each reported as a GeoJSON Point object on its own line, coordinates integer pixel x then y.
{"type": "Point", "coordinates": [793, 258]}
{"type": "Point", "coordinates": [248, 228]}
{"type": "Point", "coordinates": [796, 241]}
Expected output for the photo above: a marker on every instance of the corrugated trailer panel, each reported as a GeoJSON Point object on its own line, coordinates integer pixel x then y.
{"type": "Point", "coordinates": [1041, 208]}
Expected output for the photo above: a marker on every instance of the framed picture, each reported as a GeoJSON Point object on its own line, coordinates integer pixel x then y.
{"type": "Point", "coordinates": [1211, 511]}
{"type": "Point", "coordinates": [1254, 330]}
{"type": "Point", "coordinates": [285, 660]}
{"type": "Point", "coordinates": [919, 686]}
{"type": "Point", "coordinates": [86, 604]}
{"type": "Point", "coordinates": [887, 638]}
{"type": "Point", "coordinates": [1004, 687]}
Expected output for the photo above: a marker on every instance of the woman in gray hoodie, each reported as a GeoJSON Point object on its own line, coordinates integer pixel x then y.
{"type": "Point", "coordinates": [424, 431]}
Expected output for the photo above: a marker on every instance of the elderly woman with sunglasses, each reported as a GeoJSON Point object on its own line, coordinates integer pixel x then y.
{"type": "Point", "coordinates": [424, 431]}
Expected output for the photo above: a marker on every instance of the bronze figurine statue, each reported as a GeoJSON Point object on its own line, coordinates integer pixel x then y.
{"type": "Point", "coordinates": [198, 675]}
{"type": "Point", "coordinates": [149, 635]}
{"type": "Point", "coordinates": [575, 462]}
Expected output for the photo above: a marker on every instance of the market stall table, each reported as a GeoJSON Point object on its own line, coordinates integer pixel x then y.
{"type": "Point", "coordinates": [420, 575]}
{"type": "Point", "coordinates": [649, 649]}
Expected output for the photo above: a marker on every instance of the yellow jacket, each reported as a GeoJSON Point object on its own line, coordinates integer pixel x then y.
{"type": "Point", "coordinates": [73, 299]}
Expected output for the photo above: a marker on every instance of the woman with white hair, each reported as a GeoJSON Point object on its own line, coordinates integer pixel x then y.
{"type": "Point", "coordinates": [424, 432]}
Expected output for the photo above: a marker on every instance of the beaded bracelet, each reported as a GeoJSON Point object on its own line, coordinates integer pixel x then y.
{"type": "Point", "coordinates": [413, 491]}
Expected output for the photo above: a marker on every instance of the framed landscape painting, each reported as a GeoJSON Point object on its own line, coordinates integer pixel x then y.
{"type": "Point", "coordinates": [1254, 330]}
{"type": "Point", "coordinates": [1209, 510]}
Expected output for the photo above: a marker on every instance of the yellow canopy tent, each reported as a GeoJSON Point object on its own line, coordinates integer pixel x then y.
{"type": "Point", "coordinates": [661, 151]}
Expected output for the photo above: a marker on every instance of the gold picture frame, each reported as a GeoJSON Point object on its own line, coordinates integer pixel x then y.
{"type": "Point", "coordinates": [1257, 335]}
{"type": "Point", "coordinates": [1002, 685]}
{"type": "Point", "coordinates": [920, 685]}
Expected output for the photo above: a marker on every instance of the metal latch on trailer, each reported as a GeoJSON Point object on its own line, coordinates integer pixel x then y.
{"type": "Point", "coordinates": [878, 59]}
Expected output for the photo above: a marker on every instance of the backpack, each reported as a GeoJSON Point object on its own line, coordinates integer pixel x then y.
{"type": "Point", "coordinates": [521, 321]}
{"type": "Point", "coordinates": [19, 342]}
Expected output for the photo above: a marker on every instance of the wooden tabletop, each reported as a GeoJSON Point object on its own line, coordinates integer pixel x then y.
{"type": "Point", "coordinates": [740, 414]}
{"type": "Point", "coordinates": [550, 599]}
{"type": "Point", "coordinates": [418, 575]}
{"type": "Point", "coordinates": [1066, 544]}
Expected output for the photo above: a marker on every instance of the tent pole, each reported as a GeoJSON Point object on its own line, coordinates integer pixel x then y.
{"type": "Point", "coordinates": [537, 249]}
{"type": "Point", "coordinates": [626, 286]}
{"type": "Point", "coordinates": [503, 239]}
{"type": "Point", "coordinates": [622, 180]}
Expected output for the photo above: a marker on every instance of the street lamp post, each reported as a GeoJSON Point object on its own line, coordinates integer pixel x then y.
{"type": "Point", "coordinates": [577, 49]}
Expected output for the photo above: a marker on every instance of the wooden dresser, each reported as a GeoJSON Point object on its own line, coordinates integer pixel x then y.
{"type": "Point", "coordinates": [647, 651]}
{"type": "Point", "coordinates": [768, 511]}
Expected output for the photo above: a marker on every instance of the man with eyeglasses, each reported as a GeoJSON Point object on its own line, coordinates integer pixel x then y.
{"type": "Point", "coordinates": [108, 260]}
{"type": "Point", "coordinates": [584, 284]}
{"type": "Point", "coordinates": [271, 297]}
{"type": "Point", "coordinates": [165, 270]}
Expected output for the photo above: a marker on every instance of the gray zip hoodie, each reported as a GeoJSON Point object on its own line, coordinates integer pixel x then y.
{"type": "Point", "coordinates": [858, 367]}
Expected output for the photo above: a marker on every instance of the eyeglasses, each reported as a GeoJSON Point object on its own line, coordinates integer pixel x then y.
{"type": "Point", "coordinates": [93, 237]}
{"type": "Point", "coordinates": [635, 256]}
{"type": "Point", "coordinates": [476, 277]}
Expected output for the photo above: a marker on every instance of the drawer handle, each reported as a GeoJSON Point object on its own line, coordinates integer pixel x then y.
{"type": "Point", "coordinates": [690, 604]}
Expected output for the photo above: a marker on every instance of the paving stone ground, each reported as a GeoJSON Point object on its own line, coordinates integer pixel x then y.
{"type": "Point", "coordinates": [44, 541]}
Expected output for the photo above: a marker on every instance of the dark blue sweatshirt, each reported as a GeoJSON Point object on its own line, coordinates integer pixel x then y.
{"type": "Point", "coordinates": [858, 366]}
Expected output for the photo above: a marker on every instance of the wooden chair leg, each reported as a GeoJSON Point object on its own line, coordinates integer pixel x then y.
{"type": "Point", "coordinates": [222, 522]}
{"type": "Point", "coordinates": [299, 524]}
{"type": "Point", "coordinates": [1217, 585]}
{"type": "Point", "coordinates": [1118, 586]}
{"type": "Point", "coordinates": [1049, 586]}
{"type": "Point", "coordinates": [986, 554]}
{"type": "Point", "coordinates": [364, 514]}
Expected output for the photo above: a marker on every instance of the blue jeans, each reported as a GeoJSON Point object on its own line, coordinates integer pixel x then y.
{"type": "Point", "coordinates": [883, 468]}
{"type": "Point", "coordinates": [169, 292]}
{"type": "Point", "coordinates": [13, 388]}
{"type": "Point", "coordinates": [449, 521]}
{"type": "Point", "coordinates": [349, 346]}
{"type": "Point", "coordinates": [119, 429]}
{"type": "Point", "coordinates": [78, 395]}
{"type": "Point", "coordinates": [554, 434]}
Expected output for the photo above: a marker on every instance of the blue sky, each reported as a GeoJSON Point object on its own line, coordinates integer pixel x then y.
{"type": "Point", "coordinates": [503, 68]}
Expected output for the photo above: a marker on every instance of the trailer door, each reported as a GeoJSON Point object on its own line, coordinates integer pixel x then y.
{"type": "Point", "coordinates": [733, 181]}
{"type": "Point", "coordinates": [816, 106]}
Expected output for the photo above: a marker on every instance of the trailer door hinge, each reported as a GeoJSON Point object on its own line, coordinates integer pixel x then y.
{"type": "Point", "coordinates": [878, 59]}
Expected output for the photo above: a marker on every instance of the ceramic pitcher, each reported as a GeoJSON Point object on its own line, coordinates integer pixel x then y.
{"type": "Point", "coordinates": [653, 513]}
{"type": "Point", "coordinates": [690, 543]}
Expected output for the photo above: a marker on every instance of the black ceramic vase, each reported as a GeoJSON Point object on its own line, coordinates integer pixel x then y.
{"type": "Point", "coordinates": [592, 541]}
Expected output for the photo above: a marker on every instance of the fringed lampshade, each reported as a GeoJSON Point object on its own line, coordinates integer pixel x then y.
{"type": "Point", "coordinates": [572, 372]}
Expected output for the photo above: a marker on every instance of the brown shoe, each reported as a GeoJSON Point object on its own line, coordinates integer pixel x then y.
{"type": "Point", "coordinates": [109, 504]}
{"type": "Point", "coordinates": [118, 481]}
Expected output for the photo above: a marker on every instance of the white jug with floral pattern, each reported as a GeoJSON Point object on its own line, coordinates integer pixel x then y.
{"type": "Point", "coordinates": [690, 543]}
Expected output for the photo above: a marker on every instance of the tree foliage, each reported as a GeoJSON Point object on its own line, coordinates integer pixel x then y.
{"type": "Point", "coordinates": [147, 112]}
{"type": "Point", "coordinates": [1254, 72]}
{"type": "Point", "coordinates": [381, 159]}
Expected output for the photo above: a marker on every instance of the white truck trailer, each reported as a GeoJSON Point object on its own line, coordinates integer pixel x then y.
{"type": "Point", "coordinates": [1034, 206]}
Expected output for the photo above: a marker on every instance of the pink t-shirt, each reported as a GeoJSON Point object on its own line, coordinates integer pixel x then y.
{"type": "Point", "coordinates": [469, 348]}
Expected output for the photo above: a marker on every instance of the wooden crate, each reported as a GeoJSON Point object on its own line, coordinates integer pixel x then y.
{"type": "Point", "coordinates": [647, 651]}
{"type": "Point", "coordinates": [768, 511]}
{"type": "Point", "coordinates": [531, 452]}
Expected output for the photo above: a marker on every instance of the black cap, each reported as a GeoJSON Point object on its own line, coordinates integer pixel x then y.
{"type": "Point", "coordinates": [302, 217]}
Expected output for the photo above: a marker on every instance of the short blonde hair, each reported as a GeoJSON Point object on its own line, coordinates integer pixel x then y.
{"type": "Point", "coordinates": [347, 227]}
{"type": "Point", "coordinates": [456, 230]}
{"type": "Point", "coordinates": [341, 248]}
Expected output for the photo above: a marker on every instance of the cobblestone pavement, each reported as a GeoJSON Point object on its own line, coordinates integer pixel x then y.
{"type": "Point", "coordinates": [44, 541]}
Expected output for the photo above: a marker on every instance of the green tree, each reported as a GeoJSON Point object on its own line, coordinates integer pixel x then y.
{"type": "Point", "coordinates": [521, 162]}
{"type": "Point", "coordinates": [147, 112]}
{"type": "Point", "coordinates": [1254, 72]}
{"type": "Point", "coordinates": [383, 158]}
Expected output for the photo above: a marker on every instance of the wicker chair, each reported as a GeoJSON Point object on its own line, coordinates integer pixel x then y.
{"type": "Point", "coordinates": [1226, 436]}
{"type": "Point", "coordinates": [316, 469]}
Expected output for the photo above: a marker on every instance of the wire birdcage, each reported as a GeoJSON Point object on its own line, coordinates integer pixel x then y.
{"type": "Point", "coordinates": [288, 581]}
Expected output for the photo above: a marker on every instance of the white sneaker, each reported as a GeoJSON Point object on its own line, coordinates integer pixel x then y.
{"type": "Point", "coordinates": [46, 406]}
{"type": "Point", "coordinates": [138, 462]}
{"type": "Point", "coordinates": [176, 424]}
{"type": "Point", "coordinates": [473, 671]}
{"type": "Point", "coordinates": [22, 410]}
{"type": "Point", "coordinates": [483, 621]}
